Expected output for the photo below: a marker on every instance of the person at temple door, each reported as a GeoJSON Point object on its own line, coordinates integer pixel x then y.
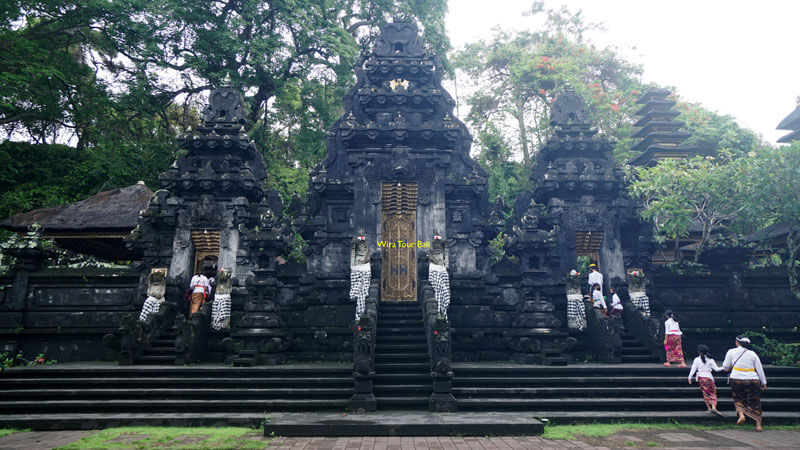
{"type": "Point", "coordinates": [200, 289]}
{"type": "Point", "coordinates": [595, 277]}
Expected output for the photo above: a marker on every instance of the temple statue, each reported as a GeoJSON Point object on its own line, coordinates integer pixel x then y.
{"type": "Point", "coordinates": [221, 308]}
{"type": "Point", "coordinates": [360, 273]}
{"type": "Point", "coordinates": [437, 273]}
{"type": "Point", "coordinates": [156, 288]}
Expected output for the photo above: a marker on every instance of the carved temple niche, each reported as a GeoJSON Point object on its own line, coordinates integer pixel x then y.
{"type": "Point", "coordinates": [587, 243]}
{"type": "Point", "coordinates": [206, 250]}
{"type": "Point", "coordinates": [399, 236]}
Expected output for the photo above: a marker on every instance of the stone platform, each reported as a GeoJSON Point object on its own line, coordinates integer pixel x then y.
{"type": "Point", "coordinates": [398, 423]}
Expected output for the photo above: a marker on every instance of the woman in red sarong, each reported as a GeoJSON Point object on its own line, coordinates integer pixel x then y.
{"type": "Point", "coordinates": [702, 367]}
{"type": "Point", "coordinates": [672, 340]}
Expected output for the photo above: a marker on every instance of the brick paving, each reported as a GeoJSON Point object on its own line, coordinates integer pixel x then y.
{"type": "Point", "coordinates": [734, 438]}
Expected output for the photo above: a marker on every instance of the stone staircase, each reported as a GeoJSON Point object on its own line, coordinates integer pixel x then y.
{"type": "Point", "coordinates": [634, 352]}
{"type": "Point", "coordinates": [160, 351]}
{"type": "Point", "coordinates": [84, 396]}
{"type": "Point", "coordinates": [402, 365]}
{"type": "Point", "coordinates": [605, 393]}
{"type": "Point", "coordinates": [99, 395]}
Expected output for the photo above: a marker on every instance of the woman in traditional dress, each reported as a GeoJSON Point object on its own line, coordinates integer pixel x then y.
{"type": "Point", "coordinates": [616, 304]}
{"type": "Point", "coordinates": [701, 370]}
{"type": "Point", "coordinates": [597, 299]}
{"type": "Point", "coordinates": [747, 380]}
{"type": "Point", "coordinates": [672, 340]}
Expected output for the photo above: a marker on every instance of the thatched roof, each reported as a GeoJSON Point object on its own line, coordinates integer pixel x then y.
{"type": "Point", "coordinates": [774, 232]}
{"type": "Point", "coordinates": [115, 210]}
{"type": "Point", "coordinates": [95, 226]}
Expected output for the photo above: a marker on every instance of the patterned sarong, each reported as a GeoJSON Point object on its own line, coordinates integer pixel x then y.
{"type": "Point", "coordinates": [151, 305]}
{"type": "Point", "coordinates": [437, 275]}
{"type": "Point", "coordinates": [709, 390]}
{"type": "Point", "coordinates": [747, 397]}
{"type": "Point", "coordinates": [641, 302]}
{"type": "Point", "coordinates": [359, 287]}
{"type": "Point", "coordinates": [221, 311]}
{"type": "Point", "coordinates": [674, 349]}
{"type": "Point", "coordinates": [576, 313]}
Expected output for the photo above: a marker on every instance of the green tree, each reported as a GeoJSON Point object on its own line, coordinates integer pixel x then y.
{"type": "Point", "coordinates": [123, 78]}
{"type": "Point", "coordinates": [516, 77]}
{"type": "Point", "coordinates": [675, 193]}
{"type": "Point", "coordinates": [771, 188]}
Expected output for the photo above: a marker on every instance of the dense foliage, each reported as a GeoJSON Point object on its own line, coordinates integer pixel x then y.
{"type": "Point", "coordinates": [124, 78]}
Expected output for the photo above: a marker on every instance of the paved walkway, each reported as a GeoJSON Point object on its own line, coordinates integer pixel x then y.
{"type": "Point", "coordinates": [733, 438]}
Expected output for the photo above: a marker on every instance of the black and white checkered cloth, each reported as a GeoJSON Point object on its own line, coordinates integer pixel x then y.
{"type": "Point", "coordinates": [221, 311]}
{"type": "Point", "coordinates": [576, 313]}
{"type": "Point", "coordinates": [440, 280]}
{"type": "Point", "coordinates": [641, 301]}
{"type": "Point", "coordinates": [151, 305]}
{"type": "Point", "coordinates": [359, 287]}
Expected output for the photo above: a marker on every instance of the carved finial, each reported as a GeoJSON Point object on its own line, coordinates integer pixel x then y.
{"type": "Point", "coordinates": [226, 82]}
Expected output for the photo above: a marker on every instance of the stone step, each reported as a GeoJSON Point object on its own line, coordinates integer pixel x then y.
{"type": "Point", "coordinates": [138, 383]}
{"type": "Point", "coordinates": [180, 372]}
{"type": "Point", "coordinates": [691, 392]}
{"type": "Point", "coordinates": [628, 381]}
{"type": "Point", "coordinates": [402, 367]}
{"type": "Point", "coordinates": [394, 403]}
{"type": "Point", "coordinates": [401, 348]}
{"type": "Point", "coordinates": [620, 403]}
{"type": "Point", "coordinates": [410, 331]}
{"type": "Point", "coordinates": [171, 393]}
{"type": "Point", "coordinates": [635, 351]}
{"type": "Point", "coordinates": [419, 358]}
{"type": "Point", "coordinates": [155, 359]}
{"type": "Point", "coordinates": [415, 338]}
{"type": "Point", "coordinates": [632, 359]}
{"type": "Point", "coordinates": [177, 405]}
{"type": "Point", "coordinates": [403, 390]}
{"type": "Point", "coordinates": [385, 379]}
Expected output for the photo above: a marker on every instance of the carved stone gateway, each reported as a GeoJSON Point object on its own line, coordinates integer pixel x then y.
{"type": "Point", "coordinates": [399, 242]}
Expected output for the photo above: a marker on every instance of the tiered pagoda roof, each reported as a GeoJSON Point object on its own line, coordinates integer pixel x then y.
{"type": "Point", "coordinates": [792, 123]}
{"type": "Point", "coordinates": [659, 132]}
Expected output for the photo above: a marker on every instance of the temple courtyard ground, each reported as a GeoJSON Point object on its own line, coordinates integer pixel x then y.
{"type": "Point", "coordinates": [555, 437]}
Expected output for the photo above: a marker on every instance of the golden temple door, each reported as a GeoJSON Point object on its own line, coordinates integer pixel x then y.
{"type": "Point", "coordinates": [398, 242]}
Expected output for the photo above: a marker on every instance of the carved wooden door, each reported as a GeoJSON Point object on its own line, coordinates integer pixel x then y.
{"type": "Point", "coordinates": [398, 242]}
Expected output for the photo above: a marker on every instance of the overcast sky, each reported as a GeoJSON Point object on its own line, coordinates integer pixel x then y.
{"type": "Point", "coordinates": [736, 57]}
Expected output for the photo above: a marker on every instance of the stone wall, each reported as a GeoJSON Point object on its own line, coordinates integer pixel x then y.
{"type": "Point", "coordinates": [64, 313]}
{"type": "Point", "coordinates": [715, 307]}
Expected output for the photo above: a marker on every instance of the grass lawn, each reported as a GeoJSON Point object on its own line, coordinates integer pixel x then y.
{"type": "Point", "coordinates": [7, 431]}
{"type": "Point", "coordinates": [172, 437]}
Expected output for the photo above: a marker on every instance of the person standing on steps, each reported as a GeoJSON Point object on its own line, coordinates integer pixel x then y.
{"type": "Point", "coordinates": [597, 299]}
{"type": "Point", "coordinates": [747, 380]}
{"type": "Point", "coordinates": [595, 277]}
{"type": "Point", "coordinates": [701, 370]}
{"type": "Point", "coordinates": [200, 289]}
{"type": "Point", "coordinates": [672, 340]}
{"type": "Point", "coordinates": [616, 303]}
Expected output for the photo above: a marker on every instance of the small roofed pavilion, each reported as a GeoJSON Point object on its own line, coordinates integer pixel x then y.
{"type": "Point", "coordinates": [96, 226]}
{"type": "Point", "coordinates": [792, 123]}
{"type": "Point", "coordinates": [659, 133]}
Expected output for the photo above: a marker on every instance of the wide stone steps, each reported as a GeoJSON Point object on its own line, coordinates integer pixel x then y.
{"type": "Point", "coordinates": [402, 366]}
{"type": "Point", "coordinates": [56, 396]}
